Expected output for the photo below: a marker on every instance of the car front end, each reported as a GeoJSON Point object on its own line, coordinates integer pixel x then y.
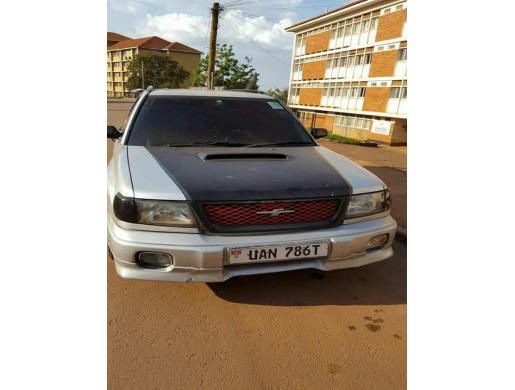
{"type": "Point", "coordinates": [186, 212]}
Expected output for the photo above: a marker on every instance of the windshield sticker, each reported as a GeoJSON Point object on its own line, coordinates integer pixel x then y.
{"type": "Point", "coordinates": [275, 106]}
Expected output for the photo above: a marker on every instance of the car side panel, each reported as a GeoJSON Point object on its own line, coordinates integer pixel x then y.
{"type": "Point", "coordinates": [361, 180]}
{"type": "Point", "coordinates": [118, 175]}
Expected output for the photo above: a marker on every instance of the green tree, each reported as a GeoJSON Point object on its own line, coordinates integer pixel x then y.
{"type": "Point", "coordinates": [160, 71]}
{"type": "Point", "coordinates": [279, 94]}
{"type": "Point", "coordinates": [229, 72]}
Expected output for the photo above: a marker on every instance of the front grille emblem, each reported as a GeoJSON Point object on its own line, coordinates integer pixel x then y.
{"type": "Point", "coordinates": [275, 212]}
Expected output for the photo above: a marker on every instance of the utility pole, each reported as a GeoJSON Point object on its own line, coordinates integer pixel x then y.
{"type": "Point", "coordinates": [215, 11]}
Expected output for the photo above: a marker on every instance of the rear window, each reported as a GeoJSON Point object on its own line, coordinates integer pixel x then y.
{"type": "Point", "coordinates": [169, 120]}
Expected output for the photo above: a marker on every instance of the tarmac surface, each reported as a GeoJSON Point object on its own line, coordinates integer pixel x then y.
{"type": "Point", "coordinates": [304, 329]}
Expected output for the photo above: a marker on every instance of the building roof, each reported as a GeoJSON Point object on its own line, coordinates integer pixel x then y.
{"type": "Point", "coordinates": [144, 43]}
{"type": "Point", "coordinates": [295, 26]}
{"type": "Point", "coordinates": [209, 93]}
{"type": "Point", "coordinates": [153, 43]}
{"type": "Point", "coordinates": [115, 37]}
{"type": "Point", "coordinates": [177, 46]}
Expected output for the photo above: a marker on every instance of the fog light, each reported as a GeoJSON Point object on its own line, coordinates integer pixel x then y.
{"type": "Point", "coordinates": [377, 242]}
{"type": "Point", "coordinates": [154, 260]}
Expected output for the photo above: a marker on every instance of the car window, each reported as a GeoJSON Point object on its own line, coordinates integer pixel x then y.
{"type": "Point", "coordinates": [169, 120]}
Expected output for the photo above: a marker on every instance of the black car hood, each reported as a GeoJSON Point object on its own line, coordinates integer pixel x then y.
{"type": "Point", "coordinates": [249, 174]}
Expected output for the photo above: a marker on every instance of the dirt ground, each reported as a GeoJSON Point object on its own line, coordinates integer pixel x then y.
{"type": "Point", "coordinates": [305, 329]}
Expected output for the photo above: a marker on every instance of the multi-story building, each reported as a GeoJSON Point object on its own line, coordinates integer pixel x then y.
{"type": "Point", "coordinates": [120, 52]}
{"type": "Point", "coordinates": [349, 71]}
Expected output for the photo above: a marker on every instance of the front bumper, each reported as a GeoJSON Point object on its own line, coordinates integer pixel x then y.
{"type": "Point", "coordinates": [201, 258]}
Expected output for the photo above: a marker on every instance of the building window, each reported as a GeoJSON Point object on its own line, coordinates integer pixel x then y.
{"type": "Point", "coordinates": [402, 55]}
{"type": "Point", "coordinates": [365, 25]}
{"type": "Point", "coordinates": [398, 92]}
{"type": "Point", "coordinates": [294, 95]}
{"type": "Point", "coordinates": [361, 92]}
{"type": "Point", "coordinates": [300, 46]}
{"type": "Point", "coordinates": [395, 92]}
{"type": "Point", "coordinates": [368, 59]}
{"type": "Point", "coordinates": [373, 24]}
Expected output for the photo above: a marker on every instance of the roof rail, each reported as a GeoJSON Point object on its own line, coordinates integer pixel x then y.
{"type": "Point", "coordinates": [246, 90]}
{"type": "Point", "coordinates": [139, 91]}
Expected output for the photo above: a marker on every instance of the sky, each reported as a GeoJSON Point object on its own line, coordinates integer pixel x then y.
{"type": "Point", "coordinates": [254, 27]}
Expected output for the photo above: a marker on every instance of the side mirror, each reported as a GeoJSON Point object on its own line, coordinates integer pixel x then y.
{"type": "Point", "coordinates": [318, 132]}
{"type": "Point", "coordinates": [113, 133]}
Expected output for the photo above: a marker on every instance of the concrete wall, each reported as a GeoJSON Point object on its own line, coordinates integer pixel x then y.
{"type": "Point", "coordinates": [310, 96]}
{"type": "Point", "coordinates": [314, 70]}
{"type": "Point", "coordinates": [189, 62]}
{"type": "Point", "coordinates": [390, 25]}
{"type": "Point", "coordinates": [397, 136]}
{"type": "Point", "coordinates": [383, 63]}
{"type": "Point", "coordinates": [376, 99]}
{"type": "Point", "coordinates": [317, 42]}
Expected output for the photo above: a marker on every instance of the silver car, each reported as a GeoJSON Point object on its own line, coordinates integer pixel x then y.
{"type": "Point", "coordinates": [207, 185]}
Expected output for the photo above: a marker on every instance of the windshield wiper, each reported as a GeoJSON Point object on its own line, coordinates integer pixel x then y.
{"type": "Point", "coordinates": [209, 143]}
{"type": "Point", "coordinates": [279, 143]}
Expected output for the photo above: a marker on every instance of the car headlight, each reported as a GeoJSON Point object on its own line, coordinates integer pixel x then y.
{"type": "Point", "coordinates": [153, 212]}
{"type": "Point", "coordinates": [368, 204]}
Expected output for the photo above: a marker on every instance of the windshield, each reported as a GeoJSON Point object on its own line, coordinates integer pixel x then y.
{"type": "Point", "coordinates": [213, 121]}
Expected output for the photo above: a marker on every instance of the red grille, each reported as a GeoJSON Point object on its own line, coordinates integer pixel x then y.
{"type": "Point", "coordinates": [249, 213]}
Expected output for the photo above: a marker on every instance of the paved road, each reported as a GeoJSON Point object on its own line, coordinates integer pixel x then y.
{"type": "Point", "coordinates": [381, 156]}
{"type": "Point", "coordinates": [304, 329]}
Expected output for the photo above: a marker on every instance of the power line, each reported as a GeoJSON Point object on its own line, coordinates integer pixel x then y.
{"type": "Point", "coordinates": [261, 16]}
{"type": "Point", "coordinates": [253, 41]}
{"type": "Point", "coordinates": [252, 4]}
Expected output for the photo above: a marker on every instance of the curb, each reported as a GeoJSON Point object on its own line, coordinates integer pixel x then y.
{"type": "Point", "coordinates": [363, 144]}
{"type": "Point", "coordinates": [402, 235]}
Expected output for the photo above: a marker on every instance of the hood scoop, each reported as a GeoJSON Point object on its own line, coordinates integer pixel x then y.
{"type": "Point", "coordinates": [242, 156]}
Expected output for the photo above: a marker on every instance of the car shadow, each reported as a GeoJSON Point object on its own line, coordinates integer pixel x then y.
{"type": "Point", "coordinates": [382, 283]}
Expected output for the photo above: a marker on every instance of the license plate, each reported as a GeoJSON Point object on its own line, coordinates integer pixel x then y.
{"type": "Point", "coordinates": [278, 252]}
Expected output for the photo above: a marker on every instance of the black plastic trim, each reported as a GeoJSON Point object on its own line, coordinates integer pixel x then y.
{"type": "Point", "coordinates": [125, 208]}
